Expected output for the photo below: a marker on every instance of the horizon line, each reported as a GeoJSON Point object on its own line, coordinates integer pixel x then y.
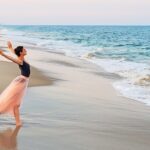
{"type": "Point", "coordinates": [74, 24]}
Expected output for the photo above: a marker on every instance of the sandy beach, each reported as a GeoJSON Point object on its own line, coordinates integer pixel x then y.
{"type": "Point", "coordinates": [10, 71]}
{"type": "Point", "coordinates": [71, 105]}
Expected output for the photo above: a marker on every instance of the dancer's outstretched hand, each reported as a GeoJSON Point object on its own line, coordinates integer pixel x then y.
{"type": "Point", "coordinates": [9, 44]}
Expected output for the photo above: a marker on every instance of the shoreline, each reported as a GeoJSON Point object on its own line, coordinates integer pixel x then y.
{"type": "Point", "coordinates": [133, 70]}
{"type": "Point", "coordinates": [48, 79]}
{"type": "Point", "coordinates": [83, 108]}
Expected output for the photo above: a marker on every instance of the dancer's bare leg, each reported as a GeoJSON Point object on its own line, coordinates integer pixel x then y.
{"type": "Point", "coordinates": [17, 116]}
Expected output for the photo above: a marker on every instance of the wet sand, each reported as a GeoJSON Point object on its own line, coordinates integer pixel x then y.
{"type": "Point", "coordinates": [80, 111]}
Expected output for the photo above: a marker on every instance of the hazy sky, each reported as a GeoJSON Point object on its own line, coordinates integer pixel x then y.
{"type": "Point", "coordinates": [75, 12]}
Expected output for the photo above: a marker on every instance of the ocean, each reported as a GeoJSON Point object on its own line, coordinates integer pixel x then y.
{"type": "Point", "coordinates": [123, 50]}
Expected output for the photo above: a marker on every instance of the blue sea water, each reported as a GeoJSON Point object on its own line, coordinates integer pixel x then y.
{"type": "Point", "coordinates": [124, 50]}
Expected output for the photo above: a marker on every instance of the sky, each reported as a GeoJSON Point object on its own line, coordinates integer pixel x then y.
{"type": "Point", "coordinates": [99, 12]}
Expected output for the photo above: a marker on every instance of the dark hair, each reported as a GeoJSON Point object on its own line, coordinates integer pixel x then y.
{"type": "Point", "coordinates": [18, 50]}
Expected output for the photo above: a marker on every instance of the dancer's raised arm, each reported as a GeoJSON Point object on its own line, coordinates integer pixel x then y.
{"type": "Point", "coordinates": [15, 60]}
{"type": "Point", "coordinates": [10, 47]}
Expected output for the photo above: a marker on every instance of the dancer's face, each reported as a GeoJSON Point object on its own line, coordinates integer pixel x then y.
{"type": "Point", "coordinates": [24, 52]}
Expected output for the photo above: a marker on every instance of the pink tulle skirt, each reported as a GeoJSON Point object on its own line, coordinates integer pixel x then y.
{"type": "Point", "coordinates": [12, 96]}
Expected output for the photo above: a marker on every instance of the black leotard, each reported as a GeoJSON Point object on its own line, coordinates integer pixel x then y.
{"type": "Point", "coordinates": [25, 69]}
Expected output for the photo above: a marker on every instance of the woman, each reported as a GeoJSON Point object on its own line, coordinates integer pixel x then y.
{"type": "Point", "coordinates": [11, 97]}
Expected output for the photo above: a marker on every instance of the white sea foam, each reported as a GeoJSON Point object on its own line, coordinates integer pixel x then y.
{"type": "Point", "coordinates": [3, 31]}
{"type": "Point", "coordinates": [136, 92]}
{"type": "Point", "coordinates": [136, 77]}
